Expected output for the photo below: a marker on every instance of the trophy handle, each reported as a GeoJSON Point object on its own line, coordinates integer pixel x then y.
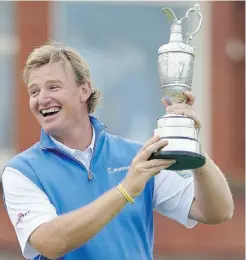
{"type": "Point", "coordinates": [196, 9]}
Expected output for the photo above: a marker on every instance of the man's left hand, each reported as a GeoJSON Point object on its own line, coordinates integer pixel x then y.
{"type": "Point", "coordinates": [184, 109]}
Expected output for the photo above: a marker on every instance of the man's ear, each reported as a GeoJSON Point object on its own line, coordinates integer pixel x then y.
{"type": "Point", "coordinates": [85, 91]}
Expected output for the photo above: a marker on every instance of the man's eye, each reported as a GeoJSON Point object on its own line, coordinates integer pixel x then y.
{"type": "Point", "coordinates": [34, 93]}
{"type": "Point", "coordinates": [54, 87]}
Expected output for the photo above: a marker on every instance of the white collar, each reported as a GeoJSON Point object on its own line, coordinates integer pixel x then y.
{"type": "Point", "coordinates": [73, 151]}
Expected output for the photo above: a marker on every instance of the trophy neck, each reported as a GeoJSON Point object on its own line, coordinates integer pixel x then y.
{"type": "Point", "coordinates": [176, 34]}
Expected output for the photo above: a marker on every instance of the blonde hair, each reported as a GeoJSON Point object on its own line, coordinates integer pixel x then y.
{"type": "Point", "coordinates": [54, 52]}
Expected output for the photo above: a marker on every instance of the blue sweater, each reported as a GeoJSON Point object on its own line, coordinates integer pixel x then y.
{"type": "Point", "coordinates": [65, 181]}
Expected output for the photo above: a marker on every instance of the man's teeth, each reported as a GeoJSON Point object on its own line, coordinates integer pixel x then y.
{"type": "Point", "coordinates": [50, 110]}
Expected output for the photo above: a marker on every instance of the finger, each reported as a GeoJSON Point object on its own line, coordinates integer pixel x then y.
{"type": "Point", "coordinates": [152, 140]}
{"type": "Point", "coordinates": [188, 112]}
{"type": "Point", "coordinates": [182, 109]}
{"type": "Point", "coordinates": [145, 153]}
{"type": "Point", "coordinates": [166, 101]}
{"type": "Point", "coordinates": [190, 98]}
{"type": "Point", "coordinates": [157, 162]}
{"type": "Point", "coordinates": [193, 115]}
{"type": "Point", "coordinates": [156, 170]}
{"type": "Point", "coordinates": [173, 107]}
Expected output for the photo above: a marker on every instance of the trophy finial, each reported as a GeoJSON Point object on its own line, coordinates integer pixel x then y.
{"type": "Point", "coordinates": [176, 25]}
{"type": "Point", "coordinates": [170, 15]}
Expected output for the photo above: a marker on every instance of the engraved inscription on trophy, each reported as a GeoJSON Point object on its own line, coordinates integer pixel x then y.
{"type": "Point", "coordinates": [181, 69]}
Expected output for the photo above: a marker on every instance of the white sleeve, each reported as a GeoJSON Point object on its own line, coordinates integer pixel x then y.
{"type": "Point", "coordinates": [28, 207]}
{"type": "Point", "coordinates": [173, 196]}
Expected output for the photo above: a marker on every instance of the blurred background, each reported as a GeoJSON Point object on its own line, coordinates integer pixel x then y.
{"type": "Point", "coordinates": [120, 41]}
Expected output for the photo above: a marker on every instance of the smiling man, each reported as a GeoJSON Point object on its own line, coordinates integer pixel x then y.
{"type": "Point", "coordinates": [61, 197]}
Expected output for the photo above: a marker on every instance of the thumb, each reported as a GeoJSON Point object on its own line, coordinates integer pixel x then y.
{"type": "Point", "coordinates": [166, 101]}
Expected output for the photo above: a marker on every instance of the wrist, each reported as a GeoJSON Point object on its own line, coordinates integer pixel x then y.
{"type": "Point", "coordinates": [124, 193]}
{"type": "Point", "coordinates": [128, 188]}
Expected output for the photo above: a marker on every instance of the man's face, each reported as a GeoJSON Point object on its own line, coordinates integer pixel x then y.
{"type": "Point", "coordinates": [55, 99]}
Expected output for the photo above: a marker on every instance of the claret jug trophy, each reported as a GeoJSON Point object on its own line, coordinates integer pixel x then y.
{"type": "Point", "coordinates": [175, 68]}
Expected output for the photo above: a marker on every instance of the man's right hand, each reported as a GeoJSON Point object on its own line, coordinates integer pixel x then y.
{"type": "Point", "coordinates": [142, 169]}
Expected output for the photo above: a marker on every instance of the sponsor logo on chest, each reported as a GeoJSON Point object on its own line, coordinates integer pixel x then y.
{"type": "Point", "coordinates": [119, 169]}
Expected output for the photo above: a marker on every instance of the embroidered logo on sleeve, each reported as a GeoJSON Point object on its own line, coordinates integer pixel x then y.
{"type": "Point", "coordinates": [20, 217]}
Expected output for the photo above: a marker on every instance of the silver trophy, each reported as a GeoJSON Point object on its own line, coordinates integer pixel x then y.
{"type": "Point", "coordinates": [175, 67]}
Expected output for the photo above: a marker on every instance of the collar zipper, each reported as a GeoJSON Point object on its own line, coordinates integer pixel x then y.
{"type": "Point", "coordinates": [90, 175]}
{"type": "Point", "coordinates": [89, 172]}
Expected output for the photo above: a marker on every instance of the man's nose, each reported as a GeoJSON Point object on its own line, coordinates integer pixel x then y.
{"type": "Point", "coordinates": [44, 98]}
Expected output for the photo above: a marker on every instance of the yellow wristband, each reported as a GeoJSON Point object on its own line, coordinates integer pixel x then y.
{"type": "Point", "coordinates": [126, 195]}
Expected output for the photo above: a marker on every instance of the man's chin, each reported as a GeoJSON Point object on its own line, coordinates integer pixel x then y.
{"type": "Point", "coordinates": [51, 127]}
{"type": "Point", "coordinates": [51, 130]}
